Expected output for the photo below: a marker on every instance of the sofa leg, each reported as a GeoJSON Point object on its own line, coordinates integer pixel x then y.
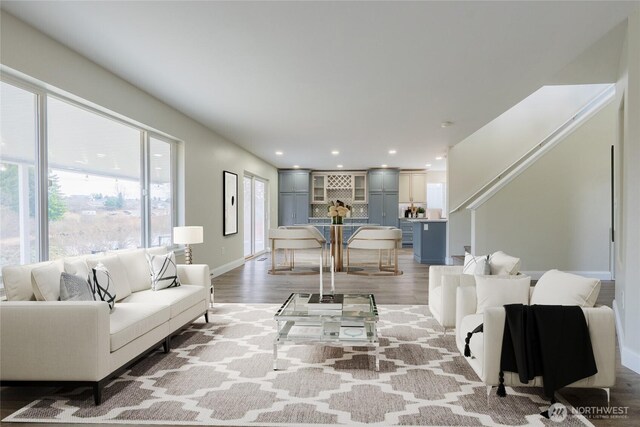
{"type": "Point", "coordinates": [166, 344]}
{"type": "Point", "coordinates": [608, 391]}
{"type": "Point", "coordinates": [97, 392]}
{"type": "Point", "coordinates": [206, 316]}
{"type": "Point", "coordinates": [488, 393]}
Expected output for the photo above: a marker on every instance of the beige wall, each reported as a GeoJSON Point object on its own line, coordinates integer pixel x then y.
{"type": "Point", "coordinates": [627, 263]}
{"type": "Point", "coordinates": [556, 214]}
{"type": "Point", "coordinates": [206, 154]}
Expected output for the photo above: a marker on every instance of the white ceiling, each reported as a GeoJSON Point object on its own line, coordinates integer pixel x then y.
{"type": "Point", "coordinates": [310, 77]}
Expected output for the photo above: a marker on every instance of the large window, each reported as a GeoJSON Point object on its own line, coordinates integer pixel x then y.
{"type": "Point", "coordinates": [108, 184]}
{"type": "Point", "coordinates": [18, 228]}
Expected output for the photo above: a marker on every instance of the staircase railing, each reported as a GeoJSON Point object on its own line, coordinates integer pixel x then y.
{"type": "Point", "coordinates": [520, 165]}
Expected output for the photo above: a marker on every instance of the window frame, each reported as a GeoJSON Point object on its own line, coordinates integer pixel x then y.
{"type": "Point", "coordinates": [42, 92]}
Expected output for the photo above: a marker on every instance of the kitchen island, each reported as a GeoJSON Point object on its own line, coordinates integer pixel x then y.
{"type": "Point", "coordinates": [429, 241]}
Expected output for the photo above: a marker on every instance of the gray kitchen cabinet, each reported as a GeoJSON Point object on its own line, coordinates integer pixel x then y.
{"type": "Point", "coordinates": [407, 232]}
{"type": "Point", "coordinates": [382, 180]}
{"type": "Point", "coordinates": [293, 197]}
{"type": "Point", "coordinates": [383, 196]}
{"type": "Point", "coordinates": [430, 242]}
{"type": "Point", "coordinates": [383, 209]}
{"type": "Point", "coordinates": [294, 181]}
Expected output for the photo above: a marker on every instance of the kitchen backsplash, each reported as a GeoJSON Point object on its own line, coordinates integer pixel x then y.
{"type": "Point", "coordinates": [358, 210]}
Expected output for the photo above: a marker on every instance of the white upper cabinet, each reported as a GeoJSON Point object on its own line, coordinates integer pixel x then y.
{"type": "Point", "coordinates": [318, 188]}
{"type": "Point", "coordinates": [413, 187]}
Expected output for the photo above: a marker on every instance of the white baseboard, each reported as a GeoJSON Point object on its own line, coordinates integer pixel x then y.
{"type": "Point", "coordinates": [629, 358]}
{"type": "Point", "coordinates": [215, 272]}
{"type": "Point", "coordinates": [601, 275]}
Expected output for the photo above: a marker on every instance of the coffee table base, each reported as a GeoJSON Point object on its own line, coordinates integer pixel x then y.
{"type": "Point", "coordinates": [375, 346]}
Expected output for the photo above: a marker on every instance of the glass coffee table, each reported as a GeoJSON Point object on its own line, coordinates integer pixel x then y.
{"type": "Point", "coordinates": [353, 325]}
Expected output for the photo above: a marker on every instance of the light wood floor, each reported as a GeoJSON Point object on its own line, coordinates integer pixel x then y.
{"type": "Point", "coordinates": [251, 284]}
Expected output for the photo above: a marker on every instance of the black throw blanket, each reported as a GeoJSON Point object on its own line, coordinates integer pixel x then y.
{"type": "Point", "coordinates": [548, 340]}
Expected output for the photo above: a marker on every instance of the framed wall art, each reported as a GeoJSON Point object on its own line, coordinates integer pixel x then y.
{"type": "Point", "coordinates": [230, 214]}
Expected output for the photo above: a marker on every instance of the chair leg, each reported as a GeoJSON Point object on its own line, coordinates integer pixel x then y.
{"type": "Point", "coordinates": [348, 261]}
{"type": "Point", "coordinates": [395, 261]}
{"type": "Point", "coordinates": [608, 391]}
{"type": "Point", "coordinates": [273, 258]}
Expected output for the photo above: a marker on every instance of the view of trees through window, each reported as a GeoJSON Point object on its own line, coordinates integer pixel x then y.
{"type": "Point", "coordinates": [95, 181]}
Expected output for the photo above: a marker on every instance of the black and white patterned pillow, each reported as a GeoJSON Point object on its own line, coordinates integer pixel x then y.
{"type": "Point", "coordinates": [74, 288]}
{"type": "Point", "coordinates": [101, 285]}
{"type": "Point", "coordinates": [476, 264]}
{"type": "Point", "coordinates": [164, 273]}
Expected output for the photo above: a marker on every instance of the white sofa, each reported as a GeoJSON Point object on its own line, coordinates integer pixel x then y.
{"type": "Point", "coordinates": [486, 346]}
{"type": "Point", "coordinates": [82, 342]}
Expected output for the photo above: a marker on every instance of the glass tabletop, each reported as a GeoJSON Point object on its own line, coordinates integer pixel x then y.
{"type": "Point", "coordinates": [354, 307]}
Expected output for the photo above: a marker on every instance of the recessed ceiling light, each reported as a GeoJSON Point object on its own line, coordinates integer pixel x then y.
{"type": "Point", "coordinates": [439, 158]}
{"type": "Point", "coordinates": [279, 153]}
{"type": "Point", "coordinates": [428, 165]}
{"type": "Point", "coordinates": [296, 166]}
{"type": "Point", "coordinates": [116, 168]}
{"type": "Point", "coordinates": [446, 124]}
{"type": "Point", "coordinates": [384, 166]}
{"type": "Point", "coordinates": [340, 166]}
{"type": "Point", "coordinates": [157, 155]}
{"type": "Point", "coordinates": [101, 155]}
{"type": "Point", "coordinates": [82, 162]}
{"type": "Point", "coordinates": [392, 151]}
{"type": "Point", "coordinates": [335, 152]}
{"type": "Point", "coordinates": [158, 168]}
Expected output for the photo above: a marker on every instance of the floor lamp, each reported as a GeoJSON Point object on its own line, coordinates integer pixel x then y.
{"type": "Point", "coordinates": [190, 235]}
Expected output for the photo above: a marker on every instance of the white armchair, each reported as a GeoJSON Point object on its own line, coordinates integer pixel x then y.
{"type": "Point", "coordinates": [486, 346]}
{"type": "Point", "coordinates": [445, 279]}
{"type": "Point", "coordinates": [291, 238]}
{"type": "Point", "coordinates": [377, 238]}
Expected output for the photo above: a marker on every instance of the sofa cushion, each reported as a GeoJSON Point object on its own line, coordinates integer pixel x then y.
{"type": "Point", "coordinates": [45, 281]}
{"type": "Point", "coordinates": [77, 266]}
{"type": "Point", "coordinates": [475, 264]}
{"type": "Point", "coordinates": [559, 288]}
{"type": "Point", "coordinates": [117, 272]}
{"type": "Point", "coordinates": [164, 273]}
{"type": "Point", "coordinates": [74, 288]}
{"type": "Point", "coordinates": [157, 250]}
{"type": "Point", "coordinates": [137, 267]}
{"type": "Point", "coordinates": [179, 299]}
{"type": "Point", "coordinates": [130, 321]}
{"type": "Point", "coordinates": [503, 264]}
{"type": "Point", "coordinates": [435, 301]}
{"type": "Point", "coordinates": [17, 282]}
{"type": "Point", "coordinates": [496, 291]}
{"type": "Point", "coordinates": [468, 324]}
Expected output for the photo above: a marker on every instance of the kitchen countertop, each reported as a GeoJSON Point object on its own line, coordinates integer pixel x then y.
{"type": "Point", "coordinates": [423, 219]}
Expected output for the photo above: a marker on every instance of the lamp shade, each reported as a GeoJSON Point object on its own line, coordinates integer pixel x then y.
{"type": "Point", "coordinates": [188, 235]}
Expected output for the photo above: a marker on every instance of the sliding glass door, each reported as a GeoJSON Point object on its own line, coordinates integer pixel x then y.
{"type": "Point", "coordinates": [255, 215]}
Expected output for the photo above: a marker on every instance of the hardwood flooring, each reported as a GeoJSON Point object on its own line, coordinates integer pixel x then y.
{"type": "Point", "coordinates": [251, 284]}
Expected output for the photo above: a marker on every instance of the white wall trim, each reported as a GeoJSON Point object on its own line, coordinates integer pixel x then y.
{"type": "Point", "coordinates": [215, 272]}
{"type": "Point", "coordinates": [629, 358]}
{"type": "Point", "coordinates": [601, 275]}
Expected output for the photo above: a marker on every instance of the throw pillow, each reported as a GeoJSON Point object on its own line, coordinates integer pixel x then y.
{"type": "Point", "coordinates": [45, 281]}
{"type": "Point", "coordinates": [164, 273]}
{"type": "Point", "coordinates": [475, 264]}
{"type": "Point", "coordinates": [496, 291]}
{"type": "Point", "coordinates": [119, 278]}
{"type": "Point", "coordinates": [74, 288]}
{"type": "Point", "coordinates": [560, 288]}
{"type": "Point", "coordinates": [503, 264]}
{"type": "Point", "coordinates": [101, 285]}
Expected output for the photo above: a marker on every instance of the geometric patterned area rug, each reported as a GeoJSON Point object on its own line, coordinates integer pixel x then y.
{"type": "Point", "coordinates": [221, 373]}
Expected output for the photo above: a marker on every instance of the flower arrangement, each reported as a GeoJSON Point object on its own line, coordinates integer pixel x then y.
{"type": "Point", "coordinates": [337, 212]}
